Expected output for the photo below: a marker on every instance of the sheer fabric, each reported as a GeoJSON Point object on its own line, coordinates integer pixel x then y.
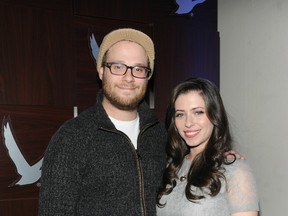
{"type": "Point", "coordinates": [237, 195]}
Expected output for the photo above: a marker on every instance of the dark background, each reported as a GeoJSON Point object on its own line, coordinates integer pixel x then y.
{"type": "Point", "coordinates": [46, 68]}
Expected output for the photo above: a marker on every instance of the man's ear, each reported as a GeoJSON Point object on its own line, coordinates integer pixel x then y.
{"type": "Point", "coordinates": [100, 73]}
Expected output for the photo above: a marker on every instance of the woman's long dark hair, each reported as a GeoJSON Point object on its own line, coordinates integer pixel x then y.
{"type": "Point", "coordinates": [205, 171]}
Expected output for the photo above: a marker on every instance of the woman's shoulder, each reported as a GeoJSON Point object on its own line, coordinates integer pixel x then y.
{"type": "Point", "coordinates": [238, 167]}
{"type": "Point", "coordinates": [242, 186]}
{"type": "Point", "coordinates": [240, 176]}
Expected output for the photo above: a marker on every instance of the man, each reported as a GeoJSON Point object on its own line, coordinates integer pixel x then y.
{"type": "Point", "coordinates": [109, 160]}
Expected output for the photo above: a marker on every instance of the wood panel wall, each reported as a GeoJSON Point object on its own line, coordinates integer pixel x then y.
{"type": "Point", "coordinates": [46, 69]}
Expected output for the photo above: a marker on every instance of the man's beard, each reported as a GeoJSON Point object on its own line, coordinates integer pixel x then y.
{"type": "Point", "coordinates": [121, 102]}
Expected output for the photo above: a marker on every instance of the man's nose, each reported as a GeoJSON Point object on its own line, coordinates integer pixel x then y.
{"type": "Point", "coordinates": [128, 75]}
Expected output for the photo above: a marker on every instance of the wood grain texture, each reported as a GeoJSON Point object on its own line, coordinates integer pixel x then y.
{"type": "Point", "coordinates": [46, 67]}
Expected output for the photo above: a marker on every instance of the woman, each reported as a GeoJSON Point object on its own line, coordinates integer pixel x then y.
{"type": "Point", "coordinates": [199, 179]}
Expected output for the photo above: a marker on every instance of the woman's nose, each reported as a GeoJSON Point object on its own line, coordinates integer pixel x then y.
{"type": "Point", "coordinates": [189, 121]}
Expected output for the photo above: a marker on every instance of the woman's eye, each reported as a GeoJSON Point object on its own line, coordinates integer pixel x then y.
{"type": "Point", "coordinates": [178, 115]}
{"type": "Point", "coordinates": [199, 112]}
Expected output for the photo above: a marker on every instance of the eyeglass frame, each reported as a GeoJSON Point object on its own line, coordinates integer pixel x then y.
{"type": "Point", "coordinates": [147, 69]}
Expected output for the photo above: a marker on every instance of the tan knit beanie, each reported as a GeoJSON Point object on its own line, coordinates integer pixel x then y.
{"type": "Point", "coordinates": [130, 35]}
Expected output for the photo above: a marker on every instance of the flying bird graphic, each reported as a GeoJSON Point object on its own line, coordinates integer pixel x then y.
{"type": "Point", "coordinates": [186, 6]}
{"type": "Point", "coordinates": [29, 174]}
{"type": "Point", "coordinates": [94, 47]}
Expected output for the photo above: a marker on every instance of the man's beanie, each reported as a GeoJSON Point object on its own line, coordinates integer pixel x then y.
{"type": "Point", "coordinates": [127, 34]}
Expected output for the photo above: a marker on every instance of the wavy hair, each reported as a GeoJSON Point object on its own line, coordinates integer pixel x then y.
{"type": "Point", "coordinates": [206, 170]}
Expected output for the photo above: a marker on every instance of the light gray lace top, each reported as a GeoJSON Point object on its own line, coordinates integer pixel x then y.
{"type": "Point", "coordinates": [238, 195]}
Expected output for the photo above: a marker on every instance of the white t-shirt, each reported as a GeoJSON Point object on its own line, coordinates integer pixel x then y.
{"type": "Point", "coordinates": [130, 128]}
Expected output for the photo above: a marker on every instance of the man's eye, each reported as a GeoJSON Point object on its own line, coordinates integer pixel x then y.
{"type": "Point", "coordinates": [139, 69]}
{"type": "Point", "coordinates": [118, 66]}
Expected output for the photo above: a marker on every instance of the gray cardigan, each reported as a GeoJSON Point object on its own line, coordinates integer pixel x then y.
{"type": "Point", "coordinates": [91, 168]}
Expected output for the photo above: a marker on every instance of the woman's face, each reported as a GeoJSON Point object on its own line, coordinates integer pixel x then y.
{"type": "Point", "coordinates": [191, 120]}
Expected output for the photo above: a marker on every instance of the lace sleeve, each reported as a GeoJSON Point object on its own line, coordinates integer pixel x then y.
{"type": "Point", "coordinates": [242, 188]}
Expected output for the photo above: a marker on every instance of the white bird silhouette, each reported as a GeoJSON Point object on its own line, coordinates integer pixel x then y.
{"type": "Point", "coordinates": [94, 47]}
{"type": "Point", "coordinates": [29, 174]}
{"type": "Point", "coordinates": [186, 6]}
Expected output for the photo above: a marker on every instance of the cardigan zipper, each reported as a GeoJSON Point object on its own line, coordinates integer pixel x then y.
{"type": "Point", "coordinates": [141, 184]}
{"type": "Point", "coordinates": [139, 166]}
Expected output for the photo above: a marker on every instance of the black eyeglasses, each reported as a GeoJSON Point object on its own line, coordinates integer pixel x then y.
{"type": "Point", "coordinates": [120, 69]}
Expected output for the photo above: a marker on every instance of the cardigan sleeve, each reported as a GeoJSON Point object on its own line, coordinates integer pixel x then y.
{"type": "Point", "coordinates": [61, 174]}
